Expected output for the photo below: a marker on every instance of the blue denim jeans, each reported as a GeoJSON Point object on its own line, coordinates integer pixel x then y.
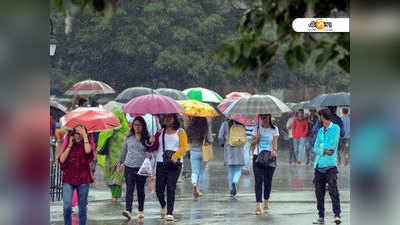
{"type": "Point", "coordinates": [246, 151]}
{"type": "Point", "coordinates": [198, 169]}
{"type": "Point", "coordinates": [234, 173]}
{"type": "Point", "coordinates": [83, 192]}
{"type": "Point", "coordinates": [298, 145]}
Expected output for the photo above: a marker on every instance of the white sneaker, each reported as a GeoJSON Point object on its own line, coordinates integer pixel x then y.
{"type": "Point", "coordinates": [319, 221]}
{"type": "Point", "coordinates": [170, 218]}
{"type": "Point", "coordinates": [338, 220]}
{"type": "Point", "coordinates": [163, 212]}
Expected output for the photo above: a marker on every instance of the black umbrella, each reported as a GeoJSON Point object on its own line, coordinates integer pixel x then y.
{"type": "Point", "coordinates": [172, 93]}
{"type": "Point", "coordinates": [57, 110]}
{"type": "Point", "coordinates": [129, 93]}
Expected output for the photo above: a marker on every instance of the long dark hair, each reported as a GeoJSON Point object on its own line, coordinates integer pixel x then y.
{"type": "Point", "coordinates": [176, 124]}
{"type": "Point", "coordinates": [231, 122]}
{"type": "Point", "coordinates": [270, 121]}
{"type": "Point", "coordinates": [144, 139]}
{"type": "Point", "coordinates": [197, 129]}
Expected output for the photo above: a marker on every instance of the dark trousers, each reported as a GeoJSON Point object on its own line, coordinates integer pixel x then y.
{"type": "Point", "coordinates": [262, 175]}
{"type": "Point", "coordinates": [321, 179]}
{"type": "Point", "coordinates": [132, 179]}
{"type": "Point", "coordinates": [167, 178]}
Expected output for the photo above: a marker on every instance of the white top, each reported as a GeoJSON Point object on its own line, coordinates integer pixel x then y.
{"type": "Point", "coordinates": [171, 144]}
{"type": "Point", "coordinates": [267, 136]}
{"type": "Point", "coordinates": [289, 127]}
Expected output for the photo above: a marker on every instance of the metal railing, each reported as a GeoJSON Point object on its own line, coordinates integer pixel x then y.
{"type": "Point", "coordinates": [55, 175]}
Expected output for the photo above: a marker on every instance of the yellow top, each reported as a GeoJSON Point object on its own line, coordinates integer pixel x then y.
{"type": "Point", "coordinates": [183, 145]}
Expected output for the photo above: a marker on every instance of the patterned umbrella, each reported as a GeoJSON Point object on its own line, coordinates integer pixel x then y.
{"type": "Point", "coordinates": [130, 93]}
{"type": "Point", "coordinates": [258, 104]}
{"type": "Point", "coordinates": [172, 93]}
{"type": "Point", "coordinates": [238, 94]}
{"type": "Point", "coordinates": [246, 119]}
{"type": "Point", "coordinates": [93, 118]}
{"type": "Point", "coordinates": [196, 108]}
{"type": "Point", "coordinates": [336, 99]}
{"type": "Point", "coordinates": [153, 104]}
{"type": "Point", "coordinates": [89, 87]}
{"type": "Point", "coordinates": [203, 95]}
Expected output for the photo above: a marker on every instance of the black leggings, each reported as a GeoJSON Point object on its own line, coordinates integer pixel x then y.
{"type": "Point", "coordinates": [166, 178]}
{"type": "Point", "coordinates": [262, 175]}
{"type": "Point", "coordinates": [133, 179]}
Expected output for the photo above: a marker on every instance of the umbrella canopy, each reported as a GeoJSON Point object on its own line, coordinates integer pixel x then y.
{"type": "Point", "coordinates": [130, 93]}
{"type": "Point", "coordinates": [198, 109]}
{"type": "Point", "coordinates": [153, 104]}
{"type": "Point", "coordinates": [57, 110]}
{"type": "Point", "coordinates": [172, 93]}
{"type": "Point", "coordinates": [93, 118]}
{"type": "Point", "coordinates": [246, 119]}
{"type": "Point", "coordinates": [236, 94]}
{"type": "Point", "coordinates": [89, 87]}
{"type": "Point", "coordinates": [112, 105]}
{"type": "Point", "coordinates": [104, 100]}
{"type": "Point", "coordinates": [317, 100]}
{"type": "Point", "coordinates": [203, 95]}
{"type": "Point", "coordinates": [257, 104]}
{"type": "Point", "coordinates": [301, 105]}
{"type": "Point", "coordinates": [336, 99]}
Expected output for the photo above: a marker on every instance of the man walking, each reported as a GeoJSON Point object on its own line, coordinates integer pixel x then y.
{"type": "Point", "coordinates": [299, 132]}
{"type": "Point", "coordinates": [325, 165]}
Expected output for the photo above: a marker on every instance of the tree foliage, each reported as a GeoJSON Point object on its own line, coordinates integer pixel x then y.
{"type": "Point", "coordinates": [265, 29]}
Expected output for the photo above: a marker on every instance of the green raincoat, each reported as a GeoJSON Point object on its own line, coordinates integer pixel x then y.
{"type": "Point", "coordinates": [109, 162]}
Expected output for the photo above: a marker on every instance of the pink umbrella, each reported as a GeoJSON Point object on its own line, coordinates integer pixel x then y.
{"type": "Point", "coordinates": [236, 94]}
{"type": "Point", "coordinates": [90, 87]}
{"type": "Point", "coordinates": [248, 120]}
{"type": "Point", "coordinates": [153, 104]}
{"type": "Point", "coordinates": [94, 119]}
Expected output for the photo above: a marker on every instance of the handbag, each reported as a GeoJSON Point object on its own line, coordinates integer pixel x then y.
{"type": "Point", "coordinates": [264, 158]}
{"type": "Point", "coordinates": [167, 156]}
{"type": "Point", "coordinates": [207, 150]}
{"type": "Point", "coordinates": [105, 150]}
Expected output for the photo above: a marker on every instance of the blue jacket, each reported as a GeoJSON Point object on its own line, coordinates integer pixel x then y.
{"type": "Point", "coordinates": [328, 139]}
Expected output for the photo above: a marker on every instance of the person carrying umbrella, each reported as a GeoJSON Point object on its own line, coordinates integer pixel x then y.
{"type": "Point", "coordinates": [78, 153]}
{"type": "Point", "coordinates": [112, 140]}
{"type": "Point", "coordinates": [265, 138]}
{"type": "Point", "coordinates": [171, 145]}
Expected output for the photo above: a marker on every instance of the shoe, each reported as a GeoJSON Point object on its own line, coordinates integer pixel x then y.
{"type": "Point", "coordinates": [233, 192]}
{"type": "Point", "coordinates": [170, 218]}
{"type": "Point", "coordinates": [140, 214]}
{"type": "Point", "coordinates": [338, 220]}
{"type": "Point", "coordinates": [195, 191]}
{"type": "Point", "coordinates": [127, 214]}
{"type": "Point", "coordinates": [163, 212]}
{"type": "Point", "coordinates": [319, 221]}
{"type": "Point", "coordinates": [258, 209]}
{"type": "Point", "coordinates": [266, 205]}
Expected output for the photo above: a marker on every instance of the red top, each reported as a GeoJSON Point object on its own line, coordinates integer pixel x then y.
{"type": "Point", "coordinates": [76, 168]}
{"type": "Point", "coordinates": [299, 128]}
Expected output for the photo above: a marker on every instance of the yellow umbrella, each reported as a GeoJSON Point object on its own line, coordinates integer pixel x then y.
{"type": "Point", "coordinates": [196, 108]}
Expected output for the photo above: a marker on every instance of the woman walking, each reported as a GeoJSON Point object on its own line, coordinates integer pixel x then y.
{"type": "Point", "coordinates": [75, 161]}
{"type": "Point", "coordinates": [134, 150]}
{"type": "Point", "coordinates": [233, 155]}
{"type": "Point", "coordinates": [265, 138]}
{"type": "Point", "coordinates": [171, 143]}
{"type": "Point", "coordinates": [198, 133]}
{"type": "Point", "coordinates": [113, 139]}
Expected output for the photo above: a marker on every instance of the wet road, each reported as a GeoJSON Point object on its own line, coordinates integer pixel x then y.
{"type": "Point", "coordinates": [292, 200]}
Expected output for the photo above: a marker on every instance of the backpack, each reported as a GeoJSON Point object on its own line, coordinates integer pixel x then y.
{"type": "Point", "coordinates": [237, 135]}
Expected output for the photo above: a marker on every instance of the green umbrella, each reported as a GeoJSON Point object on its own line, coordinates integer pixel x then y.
{"type": "Point", "coordinates": [172, 93]}
{"type": "Point", "coordinates": [203, 95]}
{"type": "Point", "coordinates": [129, 93]}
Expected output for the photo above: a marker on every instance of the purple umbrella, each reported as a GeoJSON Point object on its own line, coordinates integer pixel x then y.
{"type": "Point", "coordinates": [153, 104]}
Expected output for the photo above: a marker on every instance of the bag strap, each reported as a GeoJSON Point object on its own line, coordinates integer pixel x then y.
{"type": "Point", "coordinates": [258, 145]}
{"type": "Point", "coordinates": [163, 140]}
